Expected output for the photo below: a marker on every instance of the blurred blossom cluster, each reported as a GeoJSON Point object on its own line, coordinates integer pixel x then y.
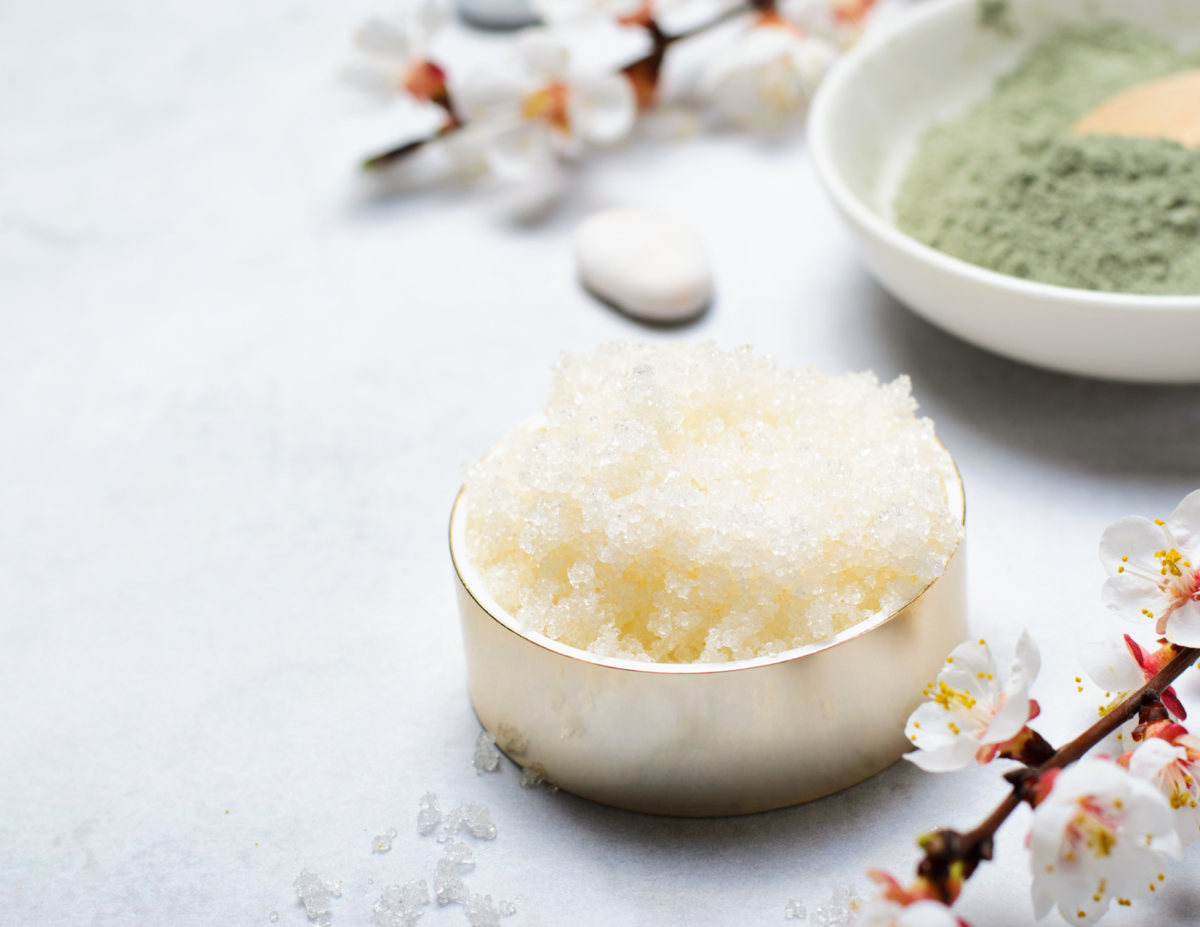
{"type": "Point", "coordinates": [584, 79]}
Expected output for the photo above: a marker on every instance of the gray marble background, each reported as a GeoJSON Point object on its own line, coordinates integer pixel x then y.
{"type": "Point", "coordinates": [236, 396]}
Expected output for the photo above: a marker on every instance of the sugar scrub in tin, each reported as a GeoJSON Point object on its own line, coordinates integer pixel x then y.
{"type": "Point", "coordinates": [682, 503]}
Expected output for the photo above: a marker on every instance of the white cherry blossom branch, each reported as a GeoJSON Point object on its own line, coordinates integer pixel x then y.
{"type": "Point", "coordinates": [517, 122]}
{"type": "Point", "coordinates": [1101, 827]}
{"type": "Point", "coordinates": [952, 857]}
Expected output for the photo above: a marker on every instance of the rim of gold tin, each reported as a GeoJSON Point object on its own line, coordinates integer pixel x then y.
{"type": "Point", "coordinates": [469, 578]}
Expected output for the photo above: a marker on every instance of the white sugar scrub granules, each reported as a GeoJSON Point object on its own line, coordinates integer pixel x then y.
{"type": "Point", "coordinates": [472, 817]}
{"type": "Point", "coordinates": [682, 503]}
{"type": "Point", "coordinates": [487, 757]}
{"type": "Point", "coordinates": [401, 905]}
{"type": "Point", "coordinates": [317, 896]}
{"type": "Point", "coordinates": [429, 815]}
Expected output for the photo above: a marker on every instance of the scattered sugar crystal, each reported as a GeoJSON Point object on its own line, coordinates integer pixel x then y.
{"type": "Point", "coordinates": [470, 816]}
{"type": "Point", "coordinates": [794, 909]}
{"type": "Point", "coordinates": [680, 503]}
{"type": "Point", "coordinates": [447, 880]}
{"type": "Point", "coordinates": [531, 778]}
{"type": "Point", "coordinates": [317, 896]}
{"type": "Point", "coordinates": [841, 910]}
{"type": "Point", "coordinates": [481, 912]}
{"type": "Point", "coordinates": [274, 916]}
{"type": "Point", "coordinates": [401, 905]}
{"type": "Point", "coordinates": [430, 815]}
{"type": "Point", "coordinates": [383, 842]}
{"type": "Point", "coordinates": [487, 757]}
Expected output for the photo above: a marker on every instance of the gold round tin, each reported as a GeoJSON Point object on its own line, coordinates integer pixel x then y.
{"type": "Point", "coordinates": [708, 739]}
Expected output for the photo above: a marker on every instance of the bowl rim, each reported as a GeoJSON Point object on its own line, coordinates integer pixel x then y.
{"type": "Point", "coordinates": [823, 113]}
{"type": "Point", "coordinates": [469, 580]}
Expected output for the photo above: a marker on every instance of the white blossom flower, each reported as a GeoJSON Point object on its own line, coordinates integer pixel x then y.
{"type": "Point", "coordinates": [1099, 835]}
{"type": "Point", "coordinates": [1151, 572]}
{"type": "Point", "coordinates": [892, 905]}
{"type": "Point", "coordinates": [541, 108]}
{"type": "Point", "coordinates": [393, 57]}
{"type": "Point", "coordinates": [968, 711]}
{"type": "Point", "coordinates": [1170, 759]}
{"type": "Point", "coordinates": [765, 79]}
{"type": "Point", "coordinates": [1119, 666]}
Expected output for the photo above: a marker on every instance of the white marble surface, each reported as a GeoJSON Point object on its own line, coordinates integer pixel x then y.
{"type": "Point", "coordinates": [235, 400]}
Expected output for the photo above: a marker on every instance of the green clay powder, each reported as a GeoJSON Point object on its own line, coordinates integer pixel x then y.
{"type": "Point", "coordinates": [1008, 187]}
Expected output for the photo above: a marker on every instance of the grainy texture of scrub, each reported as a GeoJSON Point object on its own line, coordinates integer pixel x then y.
{"type": "Point", "coordinates": [683, 503]}
{"type": "Point", "coordinates": [1009, 187]}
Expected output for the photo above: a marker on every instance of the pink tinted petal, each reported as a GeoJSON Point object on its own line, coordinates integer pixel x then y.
{"type": "Point", "coordinates": [1137, 651]}
{"type": "Point", "coordinates": [1183, 625]}
{"type": "Point", "coordinates": [948, 758]}
{"type": "Point", "coordinates": [1127, 595]}
{"type": "Point", "coordinates": [1184, 525]}
{"type": "Point", "coordinates": [1172, 703]}
{"type": "Point", "coordinates": [1134, 537]}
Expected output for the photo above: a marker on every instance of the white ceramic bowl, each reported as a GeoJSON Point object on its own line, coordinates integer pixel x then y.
{"type": "Point", "coordinates": [933, 63]}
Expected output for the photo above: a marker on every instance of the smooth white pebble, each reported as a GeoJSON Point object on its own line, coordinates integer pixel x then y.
{"type": "Point", "coordinates": [646, 264]}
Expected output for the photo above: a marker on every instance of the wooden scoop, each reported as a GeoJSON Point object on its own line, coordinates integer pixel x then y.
{"type": "Point", "coordinates": [1166, 108]}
